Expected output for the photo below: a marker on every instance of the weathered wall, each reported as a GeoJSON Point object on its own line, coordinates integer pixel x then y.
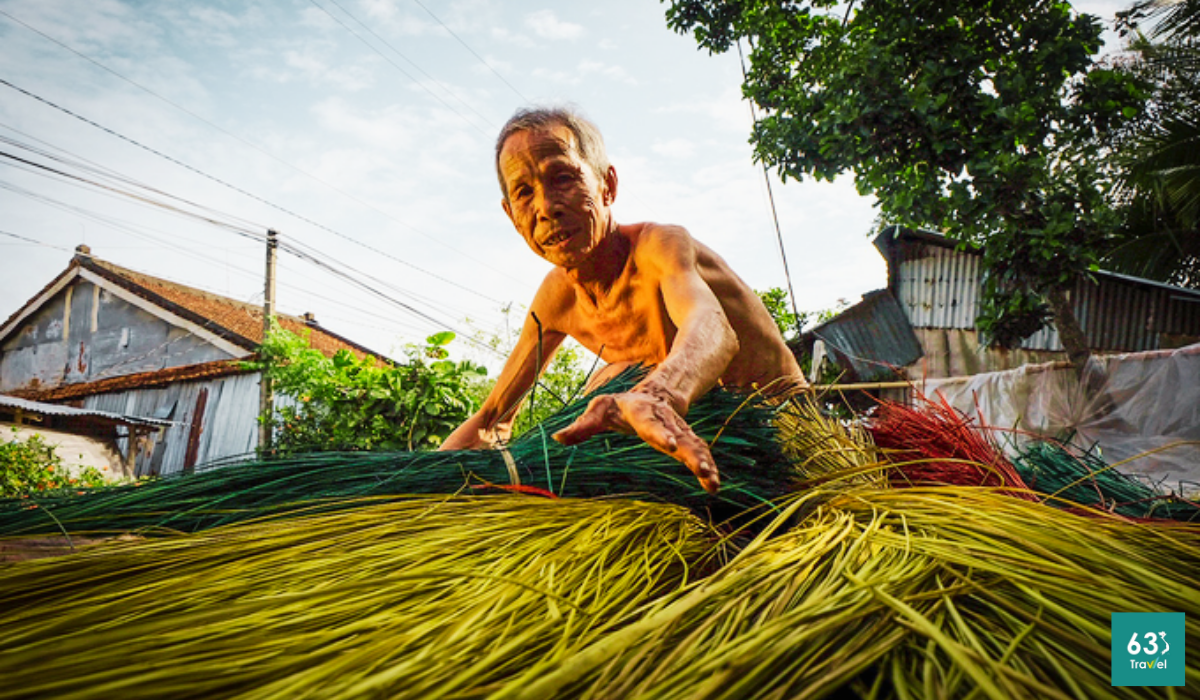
{"type": "Point", "coordinates": [227, 427]}
{"type": "Point", "coordinates": [75, 451]}
{"type": "Point", "coordinates": [86, 333]}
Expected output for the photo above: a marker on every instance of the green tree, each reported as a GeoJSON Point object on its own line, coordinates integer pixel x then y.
{"type": "Point", "coordinates": [776, 301]}
{"type": "Point", "coordinates": [1159, 153]}
{"type": "Point", "coordinates": [980, 119]}
{"type": "Point", "coordinates": [563, 379]}
{"type": "Point", "coordinates": [31, 466]}
{"type": "Point", "coordinates": [346, 403]}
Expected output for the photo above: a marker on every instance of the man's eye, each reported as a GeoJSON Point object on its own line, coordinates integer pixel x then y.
{"type": "Point", "coordinates": [521, 192]}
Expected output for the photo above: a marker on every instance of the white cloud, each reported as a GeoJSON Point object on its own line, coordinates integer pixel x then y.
{"type": "Point", "coordinates": [546, 25]}
{"type": "Point", "coordinates": [584, 69]}
{"type": "Point", "coordinates": [502, 34]}
{"type": "Point", "coordinates": [396, 20]}
{"type": "Point", "coordinates": [675, 148]}
{"type": "Point", "coordinates": [314, 67]}
{"type": "Point", "coordinates": [617, 73]}
{"type": "Point", "coordinates": [727, 110]}
{"type": "Point", "coordinates": [608, 45]}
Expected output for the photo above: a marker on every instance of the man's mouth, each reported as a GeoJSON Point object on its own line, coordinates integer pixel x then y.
{"type": "Point", "coordinates": [556, 238]}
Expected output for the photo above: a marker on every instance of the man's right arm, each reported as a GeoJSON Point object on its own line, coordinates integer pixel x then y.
{"type": "Point", "coordinates": [493, 421]}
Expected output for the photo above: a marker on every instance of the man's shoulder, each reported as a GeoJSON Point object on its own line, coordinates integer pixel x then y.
{"type": "Point", "coordinates": [555, 292]}
{"type": "Point", "coordinates": [655, 240]}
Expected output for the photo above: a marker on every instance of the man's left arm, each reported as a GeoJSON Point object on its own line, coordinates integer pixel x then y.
{"type": "Point", "coordinates": [702, 349]}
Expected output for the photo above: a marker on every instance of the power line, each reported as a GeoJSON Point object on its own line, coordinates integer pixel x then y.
{"type": "Point", "coordinates": [406, 73]}
{"type": "Point", "coordinates": [245, 233]}
{"type": "Point", "coordinates": [468, 48]}
{"type": "Point", "coordinates": [33, 241]}
{"type": "Point", "coordinates": [269, 155]}
{"type": "Point", "coordinates": [244, 192]}
{"type": "Point", "coordinates": [303, 252]}
{"type": "Point", "coordinates": [787, 275]}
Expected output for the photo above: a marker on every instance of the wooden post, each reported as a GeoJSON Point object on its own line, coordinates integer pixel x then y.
{"type": "Point", "coordinates": [266, 396]}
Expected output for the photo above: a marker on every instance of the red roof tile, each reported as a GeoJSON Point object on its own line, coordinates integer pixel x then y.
{"type": "Point", "coordinates": [141, 380]}
{"type": "Point", "coordinates": [237, 321]}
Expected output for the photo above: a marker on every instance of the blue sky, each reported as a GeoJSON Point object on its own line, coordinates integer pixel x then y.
{"type": "Point", "coordinates": [362, 130]}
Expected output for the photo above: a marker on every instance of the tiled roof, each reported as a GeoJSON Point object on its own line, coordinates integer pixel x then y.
{"type": "Point", "coordinates": [141, 380]}
{"type": "Point", "coordinates": [236, 321]}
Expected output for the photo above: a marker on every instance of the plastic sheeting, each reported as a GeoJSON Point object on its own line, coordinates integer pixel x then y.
{"type": "Point", "coordinates": [1141, 410]}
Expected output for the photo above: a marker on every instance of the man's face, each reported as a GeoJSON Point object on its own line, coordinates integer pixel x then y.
{"type": "Point", "coordinates": [555, 200]}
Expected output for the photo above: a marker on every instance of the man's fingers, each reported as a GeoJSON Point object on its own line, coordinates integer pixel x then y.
{"type": "Point", "coordinates": [694, 453]}
{"type": "Point", "coordinates": [655, 423]}
{"type": "Point", "coordinates": [596, 419]}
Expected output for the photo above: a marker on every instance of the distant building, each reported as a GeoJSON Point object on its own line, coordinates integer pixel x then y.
{"type": "Point", "coordinates": [108, 339]}
{"type": "Point", "coordinates": [922, 326]}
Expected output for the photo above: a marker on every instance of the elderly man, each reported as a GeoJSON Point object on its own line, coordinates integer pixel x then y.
{"type": "Point", "coordinates": [631, 293]}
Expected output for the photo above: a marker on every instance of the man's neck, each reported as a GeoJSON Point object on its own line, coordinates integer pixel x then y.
{"type": "Point", "coordinates": [606, 263]}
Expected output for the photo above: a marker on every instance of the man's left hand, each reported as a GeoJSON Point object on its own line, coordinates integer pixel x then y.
{"type": "Point", "coordinates": [652, 418]}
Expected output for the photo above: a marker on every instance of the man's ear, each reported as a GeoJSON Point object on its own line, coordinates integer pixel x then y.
{"type": "Point", "coordinates": [507, 209]}
{"type": "Point", "coordinates": [610, 186]}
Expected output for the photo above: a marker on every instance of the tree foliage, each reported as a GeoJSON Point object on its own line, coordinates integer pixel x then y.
{"type": "Point", "coordinates": [31, 466]}
{"type": "Point", "coordinates": [982, 120]}
{"type": "Point", "coordinates": [563, 379]}
{"type": "Point", "coordinates": [1159, 154]}
{"type": "Point", "coordinates": [347, 403]}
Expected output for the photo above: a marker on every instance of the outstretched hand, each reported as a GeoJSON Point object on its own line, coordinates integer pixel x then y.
{"type": "Point", "coordinates": [652, 418]}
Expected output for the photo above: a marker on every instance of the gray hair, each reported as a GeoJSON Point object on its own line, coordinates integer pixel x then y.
{"type": "Point", "coordinates": [587, 136]}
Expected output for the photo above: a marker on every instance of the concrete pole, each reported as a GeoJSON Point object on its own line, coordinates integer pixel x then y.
{"type": "Point", "coordinates": [266, 395]}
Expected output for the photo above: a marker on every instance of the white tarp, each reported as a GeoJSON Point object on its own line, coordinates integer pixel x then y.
{"type": "Point", "coordinates": [1142, 407]}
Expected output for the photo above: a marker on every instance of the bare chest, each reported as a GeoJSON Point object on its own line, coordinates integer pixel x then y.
{"type": "Point", "coordinates": [628, 324]}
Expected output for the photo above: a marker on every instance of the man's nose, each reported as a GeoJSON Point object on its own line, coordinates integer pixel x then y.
{"type": "Point", "coordinates": [549, 207]}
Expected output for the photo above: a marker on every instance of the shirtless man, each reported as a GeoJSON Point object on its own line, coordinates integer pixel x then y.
{"type": "Point", "coordinates": [630, 293]}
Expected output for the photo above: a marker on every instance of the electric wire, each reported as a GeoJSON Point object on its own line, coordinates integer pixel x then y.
{"type": "Point", "coordinates": [264, 152]}
{"type": "Point", "coordinates": [408, 75]}
{"type": "Point", "coordinates": [771, 195]}
{"type": "Point", "coordinates": [66, 157]}
{"type": "Point", "coordinates": [33, 241]}
{"type": "Point", "coordinates": [254, 228]}
{"type": "Point", "coordinates": [307, 254]}
{"type": "Point", "coordinates": [252, 196]}
{"type": "Point", "coordinates": [26, 164]}
{"type": "Point", "coordinates": [468, 48]}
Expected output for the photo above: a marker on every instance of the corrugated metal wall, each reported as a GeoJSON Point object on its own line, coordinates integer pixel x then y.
{"type": "Point", "coordinates": [940, 289]}
{"type": "Point", "coordinates": [228, 427]}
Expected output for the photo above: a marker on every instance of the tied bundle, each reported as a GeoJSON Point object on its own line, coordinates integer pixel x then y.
{"type": "Point", "coordinates": [1071, 476]}
{"type": "Point", "coordinates": [933, 443]}
{"type": "Point", "coordinates": [739, 429]}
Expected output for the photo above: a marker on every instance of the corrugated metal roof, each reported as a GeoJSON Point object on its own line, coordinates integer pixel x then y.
{"type": "Point", "coordinates": [50, 409]}
{"type": "Point", "coordinates": [938, 286]}
{"type": "Point", "coordinates": [873, 337]}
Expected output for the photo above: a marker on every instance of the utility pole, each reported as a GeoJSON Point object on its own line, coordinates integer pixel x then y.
{"type": "Point", "coordinates": [266, 395]}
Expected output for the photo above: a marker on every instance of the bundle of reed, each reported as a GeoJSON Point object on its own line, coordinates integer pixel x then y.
{"type": "Point", "coordinates": [753, 470]}
{"type": "Point", "coordinates": [899, 593]}
{"type": "Point", "coordinates": [1071, 476]}
{"type": "Point", "coordinates": [422, 598]}
{"type": "Point", "coordinates": [822, 447]}
{"type": "Point", "coordinates": [931, 442]}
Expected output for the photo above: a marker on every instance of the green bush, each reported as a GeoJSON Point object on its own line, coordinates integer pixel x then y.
{"type": "Point", "coordinates": [346, 403]}
{"type": "Point", "coordinates": [31, 466]}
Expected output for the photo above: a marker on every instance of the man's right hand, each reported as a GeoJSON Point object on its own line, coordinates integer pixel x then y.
{"type": "Point", "coordinates": [653, 418]}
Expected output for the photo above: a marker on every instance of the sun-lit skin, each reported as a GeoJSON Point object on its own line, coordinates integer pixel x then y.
{"type": "Point", "coordinates": [645, 292]}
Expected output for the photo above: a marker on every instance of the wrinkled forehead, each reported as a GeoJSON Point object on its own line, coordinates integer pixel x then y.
{"type": "Point", "coordinates": [535, 145]}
